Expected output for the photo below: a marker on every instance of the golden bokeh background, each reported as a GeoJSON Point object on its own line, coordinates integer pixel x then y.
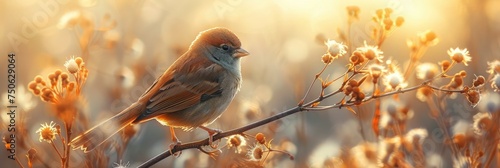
{"type": "Point", "coordinates": [134, 41]}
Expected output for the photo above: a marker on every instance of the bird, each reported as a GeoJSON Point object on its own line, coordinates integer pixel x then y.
{"type": "Point", "coordinates": [192, 93]}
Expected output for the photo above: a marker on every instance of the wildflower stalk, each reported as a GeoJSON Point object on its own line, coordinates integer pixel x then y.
{"type": "Point", "coordinates": [316, 77]}
{"type": "Point", "coordinates": [491, 154]}
{"type": "Point", "coordinates": [414, 58]}
{"type": "Point", "coordinates": [55, 148]}
{"type": "Point", "coordinates": [19, 163]}
{"type": "Point", "coordinates": [66, 144]}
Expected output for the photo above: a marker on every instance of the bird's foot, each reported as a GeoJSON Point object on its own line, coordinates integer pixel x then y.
{"type": "Point", "coordinates": [211, 134]}
{"type": "Point", "coordinates": [172, 147]}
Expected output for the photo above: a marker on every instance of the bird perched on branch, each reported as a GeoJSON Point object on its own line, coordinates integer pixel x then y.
{"type": "Point", "coordinates": [192, 93]}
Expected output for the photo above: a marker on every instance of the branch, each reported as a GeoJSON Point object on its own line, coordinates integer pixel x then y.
{"type": "Point", "coordinates": [305, 107]}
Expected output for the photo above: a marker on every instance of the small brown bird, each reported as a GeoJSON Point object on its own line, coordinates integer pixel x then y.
{"type": "Point", "coordinates": [192, 93]}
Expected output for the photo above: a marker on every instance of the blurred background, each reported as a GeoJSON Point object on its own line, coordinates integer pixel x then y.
{"type": "Point", "coordinates": [127, 44]}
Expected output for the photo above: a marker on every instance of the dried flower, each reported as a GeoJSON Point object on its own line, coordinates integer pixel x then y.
{"type": "Point", "coordinates": [445, 65]}
{"type": "Point", "coordinates": [415, 137]}
{"type": "Point", "coordinates": [59, 86]}
{"type": "Point", "coordinates": [460, 56]}
{"type": "Point", "coordinates": [335, 49]}
{"type": "Point", "coordinates": [371, 52]}
{"type": "Point", "coordinates": [495, 83]}
{"type": "Point", "coordinates": [388, 23]}
{"type": "Point", "coordinates": [31, 155]}
{"type": "Point", "coordinates": [459, 140]}
{"type": "Point", "coordinates": [494, 67]}
{"type": "Point", "coordinates": [456, 81]}
{"type": "Point", "coordinates": [412, 46]}
{"type": "Point", "coordinates": [423, 93]}
{"type": "Point", "coordinates": [427, 71]}
{"type": "Point", "coordinates": [356, 58]}
{"type": "Point", "coordinates": [399, 21]}
{"type": "Point", "coordinates": [365, 155]}
{"type": "Point", "coordinates": [376, 71]}
{"type": "Point", "coordinates": [260, 138]}
{"type": "Point", "coordinates": [72, 66]}
{"type": "Point", "coordinates": [395, 80]}
{"type": "Point", "coordinates": [327, 58]}
{"type": "Point", "coordinates": [237, 141]}
{"type": "Point", "coordinates": [353, 11]}
{"type": "Point", "coordinates": [398, 111]}
{"type": "Point", "coordinates": [473, 96]}
{"type": "Point", "coordinates": [479, 81]}
{"type": "Point", "coordinates": [256, 153]}
{"type": "Point", "coordinates": [482, 123]}
{"type": "Point", "coordinates": [428, 38]}
{"type": "Point", "coordinates": [47, 132]}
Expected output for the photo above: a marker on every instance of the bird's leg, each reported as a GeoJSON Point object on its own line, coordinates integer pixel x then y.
{"type": "Point", "coordinates": [211, 133]}
{"type": "Point", "coordinates": [174, 143]}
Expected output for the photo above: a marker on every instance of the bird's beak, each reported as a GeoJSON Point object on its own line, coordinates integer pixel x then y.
{"type": "Point", "coordinates": [240, 52]}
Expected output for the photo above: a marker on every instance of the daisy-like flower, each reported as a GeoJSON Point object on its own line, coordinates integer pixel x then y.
{"type": "Point", "coordinates": [395, 80]}
{"type": "Point", "coordinates": [371, 52]}
{"type": "Point", "coordinates": [494, 67]}
{"type": "Point", "coordinates": [237, 141]}
{"type": "Point", "coordinates": [427, 71]}
{"type": "Point", "coordinates": [416, 135]}
{"type": "Point", "coordinates": [414, 138]}
{"type": "Point", "coordinates": [335, 49]}
{"type": "Point", "coordinates": [47, 132]}
{"type": "Point", "coordinates": [460, 56]}
{"type": "Point", "coordinates": [482, 123]}
{"type": "Point", "coordinates": [365, 155]}
{"type": "Point", "coordinates": [424, 93]}
{"type": "Point", "coordinates": [376, 71]}
{"type": "Point", "coordinates": [72, 66]}
{"type": "Point", "coordinates": [256, 153]}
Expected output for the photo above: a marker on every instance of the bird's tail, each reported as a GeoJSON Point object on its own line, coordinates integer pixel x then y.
{"type": "Point", "coordinates": [97, 135]}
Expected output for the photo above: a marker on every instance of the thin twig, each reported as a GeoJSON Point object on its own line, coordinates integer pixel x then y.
{"type": "Point", "coordinates": [55, 148]}
{"type": "Point", "coordinates": [312, 83]}
{"type": "Point", "coordinates": [19, 163]}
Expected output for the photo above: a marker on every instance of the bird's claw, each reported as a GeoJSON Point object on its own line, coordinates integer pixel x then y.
{"type": "Point", "coordinates": [210, 138]}
{"type": "Point", "coordinates": [211, 134]}
{"type": "Point", "coordinates": [172, 146]}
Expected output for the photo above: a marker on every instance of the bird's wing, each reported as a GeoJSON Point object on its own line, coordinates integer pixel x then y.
{"type": "Point", "coordinates": [183, 90]}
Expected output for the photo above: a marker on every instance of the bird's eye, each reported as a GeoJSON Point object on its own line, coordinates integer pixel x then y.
{"type": "Point", "coordinates": [224, 47]}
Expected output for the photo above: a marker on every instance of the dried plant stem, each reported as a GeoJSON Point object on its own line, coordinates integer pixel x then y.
{"type": "Point", "coordinates": [312, 84]}
{"type": "Point", "coordinates": [66, 144]}
{"type": "Point", "coordinates": [361, 129]}
{"type": "Point", "coordinates": [492, 153]}
{"type": "Point", "coordinates": [349, 41]}
{"type": "Point", "coordinates": [19, 163]}
{"type": "Point", "coordinates": [415, 57]}
{"type": "Point", "coordinates": [55, 148]}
